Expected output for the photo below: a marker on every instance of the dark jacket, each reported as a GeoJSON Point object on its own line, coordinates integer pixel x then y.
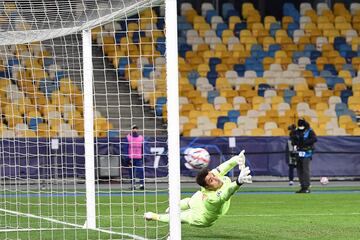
{"type": "Point", "coordinates": [304, 140]}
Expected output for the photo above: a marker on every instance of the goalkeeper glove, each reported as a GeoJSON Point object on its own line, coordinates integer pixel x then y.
{"type": "Point", "coordinates": [240, 159]}
{"type": "Point", "coordinates": [244, 176]}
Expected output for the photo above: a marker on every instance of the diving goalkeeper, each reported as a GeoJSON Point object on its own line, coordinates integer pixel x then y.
{"type": "Point", "coordinates": [213, 200]}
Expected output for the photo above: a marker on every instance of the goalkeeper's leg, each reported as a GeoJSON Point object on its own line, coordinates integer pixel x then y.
{"type": "Point", "coordinates": [186, 216]}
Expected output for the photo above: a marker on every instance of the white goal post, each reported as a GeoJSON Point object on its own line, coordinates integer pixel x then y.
{"type": "Point", "coordinates": [80, 81]}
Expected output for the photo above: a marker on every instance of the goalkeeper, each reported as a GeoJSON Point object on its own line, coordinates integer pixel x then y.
{"type": "Point", "coordinates": [213, 200]}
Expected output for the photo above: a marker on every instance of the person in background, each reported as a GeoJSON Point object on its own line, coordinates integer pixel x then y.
{"type": "Point", "coordinates": [303, 141]}
{"type": "Point", "coordinates": [292, 155]}
{"type": "Point", "coordinates": [135, 157]}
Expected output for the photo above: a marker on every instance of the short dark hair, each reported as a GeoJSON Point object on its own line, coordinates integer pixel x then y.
{"type": "Point", "coordinates": [134, 126]}
{"type": "Point", "coordinates": [200, 177]}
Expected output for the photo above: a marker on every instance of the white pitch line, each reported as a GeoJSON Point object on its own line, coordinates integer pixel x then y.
{"type": "Point", "coordinates": [291, 215]}
{"type": "Point", "coordinates": [71, 224]}
{"type": "Point", "coordinates": [33, 229]}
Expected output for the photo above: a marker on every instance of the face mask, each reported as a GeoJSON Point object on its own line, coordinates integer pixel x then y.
{"type": "Point", "coordinates": [135, 134]}
{"type": "Point", "coordinates": [301, 127]}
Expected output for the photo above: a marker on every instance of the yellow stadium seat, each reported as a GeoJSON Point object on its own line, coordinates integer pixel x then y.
{"type": "Point", "coordinates": [356, 63]}
{"type": "Point", "coordinates": [338, 88]}
{"type": "Point", "coordinates": [207, 107]}
{"type": "Point", "coordinates": [257, 132]}
{"type": "Point", "coordinates": [226, 107]}
{"type": "Point", "coordinates": [254, 17]}
{"type": "Point", "coordinates": [203, 69]}
{"type": "Point", "coordinates": [217, 132]}
{"type": "Point", "coordinates": [246, 9]}
{"type": "Point", "coordinates": [267, 41]}
{"type": "Point", "coordinates": [286, 20]}
{"type": "Point", "coordinates": [321, 61]}
{"type": "Point", "coordinates": [320, 131]}
{"type": "Point", "coordinates": [339, 62]}
{"type": "Point", "coordinates": [356, 131]}
{"type": "Point", "coordinates": [321, 106]}
{"type": "Point", "coordinates": [267, 61]}
{"type": "Point", "coordinates": [268, 20]}
{"type": "Point", "coordinates": [346, 75]}
{"type": "Point", "coordinates": [278, 132]}
{"type": "Point", "coordinates": [354, 103]}
{"type": "Point", "coordinates": [228, 126]}
{"type": "Point", "coordinates": [257, 101]}
{"type": "Point", "coordinates": [233, 20]}
{"type": "Point", "coordinates": [244, 108]}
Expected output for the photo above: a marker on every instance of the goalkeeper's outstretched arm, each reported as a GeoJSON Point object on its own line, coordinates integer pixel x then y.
{"type": "Point", "coordinates": [225, 167]}
{"type": "Point", "coordinates": [225, 194]}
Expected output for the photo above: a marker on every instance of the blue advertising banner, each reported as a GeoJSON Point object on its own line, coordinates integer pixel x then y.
{"type": "Point", "coordinates": [38, 159]}
{"type": "Point", "coordinates": [334, 156]}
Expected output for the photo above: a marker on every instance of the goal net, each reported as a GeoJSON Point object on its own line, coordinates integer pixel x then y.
{"type": "Point", "coordinates": [81, 82]}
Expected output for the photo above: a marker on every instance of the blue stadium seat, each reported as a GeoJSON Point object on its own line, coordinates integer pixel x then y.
{"type": "Point", "coordinates": [273, 28]}
{"type": "Point", "coordinates": [331, 81]}
{"type": "Point", "coordinates": [47, 61]}
{"type": "Point", "coordinates": [160, 23]}
{"type": "Point", "coordinates": [240, 69]}
{"type": "Point", "coordinates": [296, 55]}
{"type": "Point", "coordinates": [326, 74]}
{"type": "Point", "coordinates": [147, 69]}
{"type": "Point", "coordinates": [212, 76]}
{"type": "Point", "coordinates": [288, 94]}
{"type": "Point", "coordinates": [12, 61]}
{"type": "Point", "coordinates": [181, 40]}
{"type": "Point", "coordinates": [309, 48]}
{"type": "Point", "coordinates": [212, 95]}
{"type": "Point", "coordinates": [313, 69]}
{"type": "Point", "coordinates": [59, 75]}
{"type": "Point", "coordinates": [160, 45]}
{"type": "Point", "coordinates": [213, 62]}
{"type": "Point", "coordinates": [262, 88]}
{"type": "Point", "coordinates": [345, 94]}
{"type": "Point", "coordinates": [160, 102]}
{"type": "Point", "coordinates": [239, 27]}
{"type": "Point", "coordinates": [291, 28]}
{"type": "Point", "coordinates": [113, 133]}
{"type": "Point", "coordinates": [233, 115]}
{"type": "Point", "coordinates": [123, 63]}
{"type": "Point", "coordinates": [226, 7]}
{"type": "Point", "coordinates": [338, 41]}
{"type": "Point", "coordinates": [33, 123]}
{"type": "Point", "coordinates": [289, 9]}
{"type": "Point", "coordinates": [220, 28]}
{"type": "Point", "coordinates": [210, 14]}
{"type": "Point", "coordinates": [251, 61]}
{"type": "Point", "coordinates": [193, 76]}
{"type": "Point", "coordinates": [183, 28]}
{"type": "Point", "coordinates": [344, 47]}
{"type": "Point", "coordinates": [181, 19]}
{"type": "Point", "coordinates": [231, 12]}
{"type": "Point", "coordinates": [137, 35]}
{"type": "Point", "coordinates": [331, 68]}
{"type": "Point", "coordinates": [221, 121]}
{"type": "Point", "coordinates": [183, 48]}
{"type": "Point", "coordinates": [314, 55]}
{"type": "Point", "coordinates": [349, 55]}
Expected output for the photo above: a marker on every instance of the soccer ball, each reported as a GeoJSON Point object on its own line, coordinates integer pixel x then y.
{"type": "Point", "coordinates": [196, 158]}
{"type": "Point", "coordinates": [324, 180]}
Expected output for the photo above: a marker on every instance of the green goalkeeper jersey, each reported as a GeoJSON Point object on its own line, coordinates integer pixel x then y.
{"type": "Point", "coordinates": [210, 205]}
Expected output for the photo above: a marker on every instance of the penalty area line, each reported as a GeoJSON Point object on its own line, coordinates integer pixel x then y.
{"type": "Point", "coordinates": [70, 224]}
{"type": "Point", "coordinates": [33, 229]}
{"type": "Point", "coordinates": [292, 215]}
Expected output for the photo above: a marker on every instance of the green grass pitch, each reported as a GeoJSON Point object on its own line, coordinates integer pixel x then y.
{"type": "Point", "coordinates": [255, 213]}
